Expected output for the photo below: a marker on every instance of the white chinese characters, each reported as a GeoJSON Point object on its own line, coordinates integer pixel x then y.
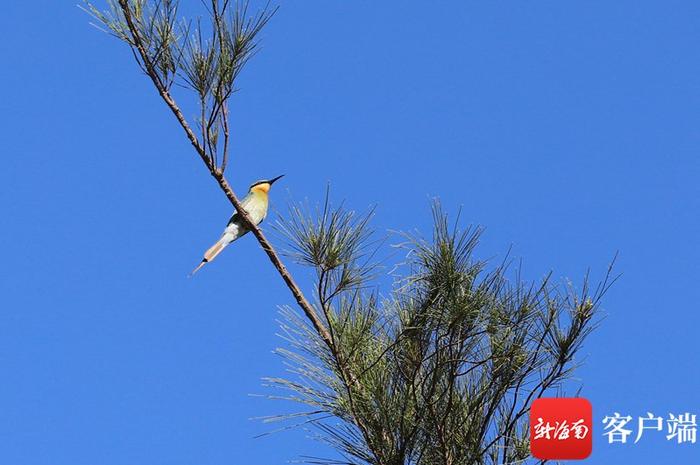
{"type": "Point", "coordinates": [561, 430]}
{"type": "Point", "coordinates": [680, 428]}
{"type": "Point", "coordinates": [683, 428]}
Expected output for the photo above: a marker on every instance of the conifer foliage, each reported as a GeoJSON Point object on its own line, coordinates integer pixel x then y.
{"type": "Point", "coordinates": [442, 368]}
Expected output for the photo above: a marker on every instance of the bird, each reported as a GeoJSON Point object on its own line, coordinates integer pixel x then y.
{"type": "Point", "coordinates": [255, 204]}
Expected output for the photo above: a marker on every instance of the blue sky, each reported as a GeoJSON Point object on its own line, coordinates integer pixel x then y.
{"type": "Point", "coordinates": [570, 130]}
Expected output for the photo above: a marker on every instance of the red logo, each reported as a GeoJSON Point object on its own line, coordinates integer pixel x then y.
{"type": "Point", "coordinates": [561, 428]}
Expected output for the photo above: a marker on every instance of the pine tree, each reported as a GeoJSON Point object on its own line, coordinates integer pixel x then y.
{"type": "Point", "coordinates": [443, 368]}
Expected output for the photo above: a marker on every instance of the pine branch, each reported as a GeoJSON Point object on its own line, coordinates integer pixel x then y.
{"type": "Point", "coordinates": [135, 38]}
{"type": "Point", "coordinates": [210, 68]}
{"type": "Point", "coordinates": [447, 365]}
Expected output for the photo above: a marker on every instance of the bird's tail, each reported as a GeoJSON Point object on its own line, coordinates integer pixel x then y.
{"type": "Point", "coordinates": [213, 251]}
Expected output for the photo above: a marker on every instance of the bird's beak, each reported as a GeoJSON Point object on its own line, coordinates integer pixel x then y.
{"type": "Point", "coordinates": [271, 181]}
